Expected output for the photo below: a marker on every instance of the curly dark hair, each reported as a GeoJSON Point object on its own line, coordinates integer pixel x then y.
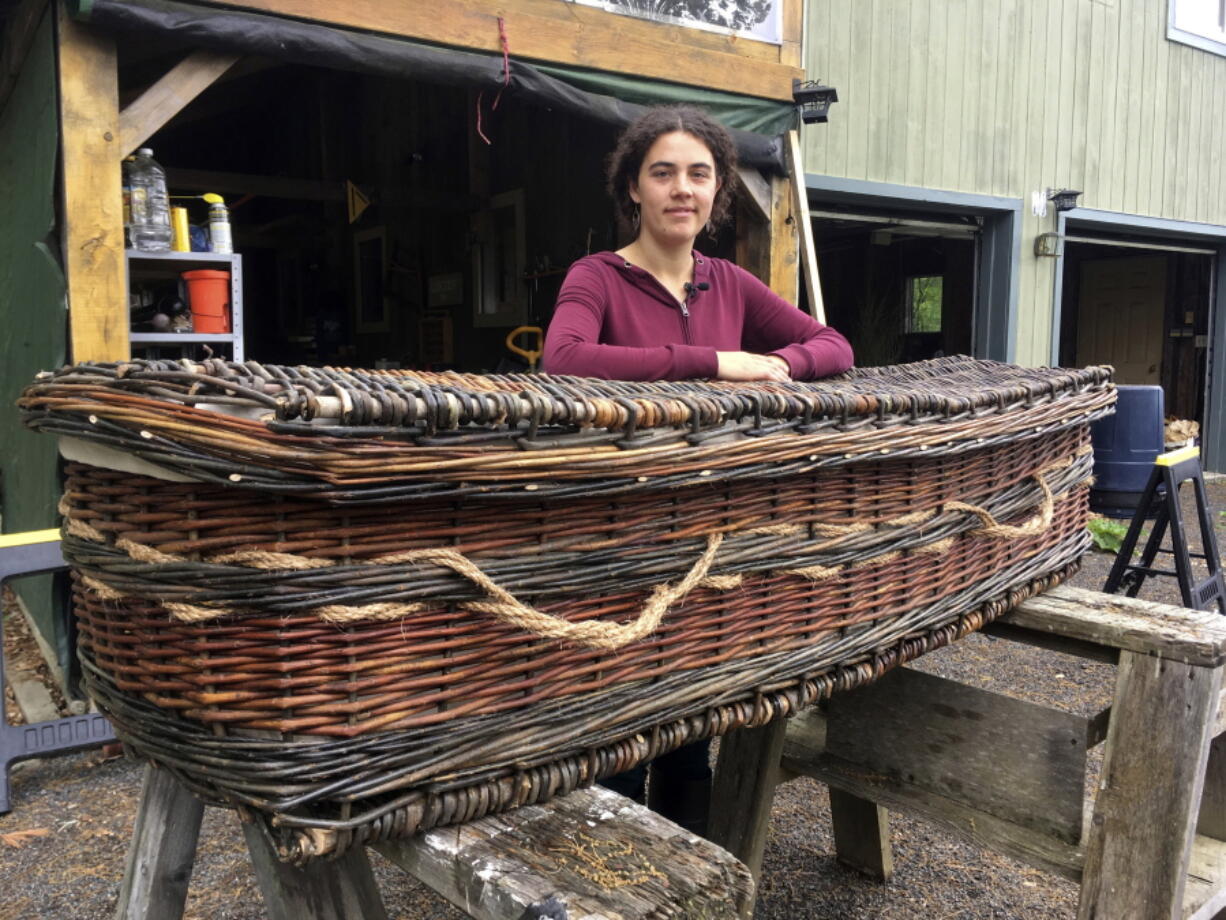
{"type": "Point", "coordinates": [627, 157]}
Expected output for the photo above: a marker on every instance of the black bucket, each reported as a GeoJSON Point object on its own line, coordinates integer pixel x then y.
{"type": "Point", "coordinates": [1125, 447]}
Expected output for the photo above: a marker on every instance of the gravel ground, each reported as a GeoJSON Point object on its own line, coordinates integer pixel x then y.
{"type": "Point", "coordinates": [62, 847]}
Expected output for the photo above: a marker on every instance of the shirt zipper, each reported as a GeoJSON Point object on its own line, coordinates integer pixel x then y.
{"type": "Point", "coordinates": [685, 319]}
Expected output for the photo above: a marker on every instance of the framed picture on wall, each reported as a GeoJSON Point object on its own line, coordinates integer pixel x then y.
{"type": "Point", "coordinates": [369, 280]}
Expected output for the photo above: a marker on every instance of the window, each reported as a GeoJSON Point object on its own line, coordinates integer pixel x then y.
{"type": "Point", "coordinates": [1200, 23]}
{"type": "Point", "coordinates": [924, 303]}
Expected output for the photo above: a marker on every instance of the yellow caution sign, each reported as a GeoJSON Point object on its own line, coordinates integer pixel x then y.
{"type": "Point", "coordinates": [358, 202]}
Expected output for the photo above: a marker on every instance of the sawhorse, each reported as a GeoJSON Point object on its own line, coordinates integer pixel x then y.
{"type": "Point", "coordinates": [591, 854]}
{"type": "Point", "coordinates": [34, 553]}
{"type": "Point", "coordinates": [1171, 470]}
{"type": "Point", "coordinates": [1010, 775]}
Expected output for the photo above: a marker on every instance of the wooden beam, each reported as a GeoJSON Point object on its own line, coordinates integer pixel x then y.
{"type": "Point", "coordinates": [592, 853]}
{"type": "Point", "coordinates": [744, 787]}
{"type": "Point", "coordinates": [342, 888]}
{"type": "Point", "coordinates": [784, 248]}
{"type": "Point", "coordinates": [755, 191]}
{"type": "Point", "coordinates": [18, 33]}
{"type": "Point", "coordinates": [565, 33]}
{"type": "Point", "coordinates": [92, 193]}
{"type": "Point", "coordinates": [804, 227]}
{"type": "Point", "coordinates": [170, 95]}
{"type": "Point", "coordinates": [227, 183]}
{"type": "Point", "coordinates": [1111, 620]}
{"type": "Point", "coordinates": [861, 834]}
{"type": "Point", "coordinates": [1019, 761]}
{"type": "Point", "coordinates": [162, 851]}
{"type": "Point", "coordinates": [804, 754]}
{"type": "Point", "coordinates": [1139, 845]}
{"type": "Point", "coordinates": [793, 27]}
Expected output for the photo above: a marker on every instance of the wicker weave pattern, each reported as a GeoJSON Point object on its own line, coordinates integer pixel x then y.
{"type": "Point", "coordinates": [340, 623]}
{"type": "Point", "coordinates": [542, 434]}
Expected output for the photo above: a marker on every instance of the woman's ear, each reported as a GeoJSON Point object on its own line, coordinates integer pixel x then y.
{"type": "Point", "coordinates": [633, 188]}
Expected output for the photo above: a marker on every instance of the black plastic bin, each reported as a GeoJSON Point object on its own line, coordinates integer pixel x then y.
{"type": "Point", "coordinates": [1125, 447]}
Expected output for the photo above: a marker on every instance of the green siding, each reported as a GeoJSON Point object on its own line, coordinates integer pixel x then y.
{"type": "Point", "coordinates": [33, 307]}
{"type": "Point", "coordinates": [1007, 97]}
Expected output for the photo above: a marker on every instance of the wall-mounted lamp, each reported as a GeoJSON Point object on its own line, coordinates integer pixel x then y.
{"type": "Point", "coordinates": [1065, 199]}
{"type": "Point", "coordinates": [1049, 244]}
{"type": "Point", "coordinates": [813, 100]}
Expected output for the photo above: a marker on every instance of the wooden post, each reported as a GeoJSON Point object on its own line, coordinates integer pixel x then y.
{"type": "Point", "coordinates": [784, 244]}
{"type": "Point", "coordinates": [592, 853]}
{"type": "Point", "coordinates": [168, 96]}
{"type": "Point", "coordinates": [744, 787]}
{"type": "Point", "coordinates": [1138, 849]}
{"type": "Point", "coordinates": [807, 251]}
{"type": "Point", "coordinates": [861, 834]}
{"type": "Point", "coordinates": [326, 889]}
{"type": "Point", "coordinates": [93, 195]}
{"type": "Point", "coordinates": [162, 851]}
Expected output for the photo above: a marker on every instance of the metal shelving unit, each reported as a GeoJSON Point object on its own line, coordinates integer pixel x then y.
{"type": "Point", "coordinates": [154, 266]}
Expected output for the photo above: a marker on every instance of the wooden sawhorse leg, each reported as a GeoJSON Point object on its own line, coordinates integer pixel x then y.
{"type": "Point", "coordinates": [1140, 840]}
{"type": "Point", "coordinates": [746, 774]}
{"type": "Point", "coordinates": [163, 850]}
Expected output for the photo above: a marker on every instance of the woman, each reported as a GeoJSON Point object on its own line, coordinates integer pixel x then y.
{"type": "Point", "coordinates": [658, 310]}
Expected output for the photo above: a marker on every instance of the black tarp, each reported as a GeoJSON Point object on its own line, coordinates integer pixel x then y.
{"type": "Point", "coordinates": [318, 45]}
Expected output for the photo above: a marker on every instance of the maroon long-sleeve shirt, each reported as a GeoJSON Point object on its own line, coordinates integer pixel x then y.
{"type": "Point", "coordinates": [616, 321]}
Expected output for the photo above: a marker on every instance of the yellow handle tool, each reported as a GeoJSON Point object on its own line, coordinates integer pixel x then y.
{"type": "Point", "coordinates": [532, 353]}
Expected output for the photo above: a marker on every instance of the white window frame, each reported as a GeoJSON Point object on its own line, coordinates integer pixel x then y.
{"type": "Point", "coordinates": [1196, 39]}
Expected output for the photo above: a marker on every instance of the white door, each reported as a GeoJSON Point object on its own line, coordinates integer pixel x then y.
{"type": "Point", "coordinates": [1119, 320]}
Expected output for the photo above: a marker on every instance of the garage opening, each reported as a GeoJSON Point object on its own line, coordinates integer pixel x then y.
{"type": "Point", "coordinates": [900, 288]}
{"type": "Point", "coordinates": [1145, 307]}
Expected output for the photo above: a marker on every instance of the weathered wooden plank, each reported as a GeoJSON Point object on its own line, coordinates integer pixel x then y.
{"type": "Point", "coordinates": [792, 29]}
{"type": "Point", "coordinates": [1029, 846]}
{"type": "Point", "coordinates": [804, 228]}
{"type": "Point", "coordinates": [1137, 849]}
{"type": "Point", "coordinates": [596, 852]}
{"type": "Point", "coordinates": [784, 245]}
{"type": "Point", "coordinates": [162, 850]}
{"type": "Point", "coordinates": [170, 95]}
{"type": "Point", "coordinates": [568, 34]}
{"type": "Point", "coordinates": [861, 834]}
{"type": "Point", "coordinates": [746, 774]}
{"type": "Point", "coordinates": [1052, 642]}
{"type": "Point", "coordinates": [92, 193]}
{"type": "Point", "coordinates": [1020, 761]}
{"type": "Point", "coordinates": [1175, 633]}
{"type": "Point", "coordinates": [755, 191]}
{"type": "Point", "coordinates": [1205, 895]}
{"type": "Point", "coordinates": [325, 889]}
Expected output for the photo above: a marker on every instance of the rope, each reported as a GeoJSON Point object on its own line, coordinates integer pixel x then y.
{"type": "Point", "coordinates": [509, 609]}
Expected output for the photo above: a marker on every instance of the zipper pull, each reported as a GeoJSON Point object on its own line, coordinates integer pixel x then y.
{"type": "Point", "coordinates": [685, 311]}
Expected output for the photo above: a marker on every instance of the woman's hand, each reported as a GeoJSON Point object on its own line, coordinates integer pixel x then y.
{"type": "Point", "coordinates": [743, 365]}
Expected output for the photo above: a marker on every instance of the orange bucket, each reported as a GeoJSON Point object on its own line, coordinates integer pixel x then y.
{"type": "Point", "coordinates": [208, 293]}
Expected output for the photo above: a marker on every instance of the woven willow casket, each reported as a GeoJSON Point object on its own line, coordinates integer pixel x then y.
{"type": "Point", "coordinates": [364, 604]}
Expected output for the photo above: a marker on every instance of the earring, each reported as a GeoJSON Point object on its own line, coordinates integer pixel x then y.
{"type": "Point", "coordinates": [635, 218]}
{"type": "Point", "coordinates": [710, 228]}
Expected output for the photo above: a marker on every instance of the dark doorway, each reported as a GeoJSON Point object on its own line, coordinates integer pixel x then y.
{"type": "Point", "coordinates": [900, 289]}
{"type": "Point", "coordinates": [1144, 311]}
